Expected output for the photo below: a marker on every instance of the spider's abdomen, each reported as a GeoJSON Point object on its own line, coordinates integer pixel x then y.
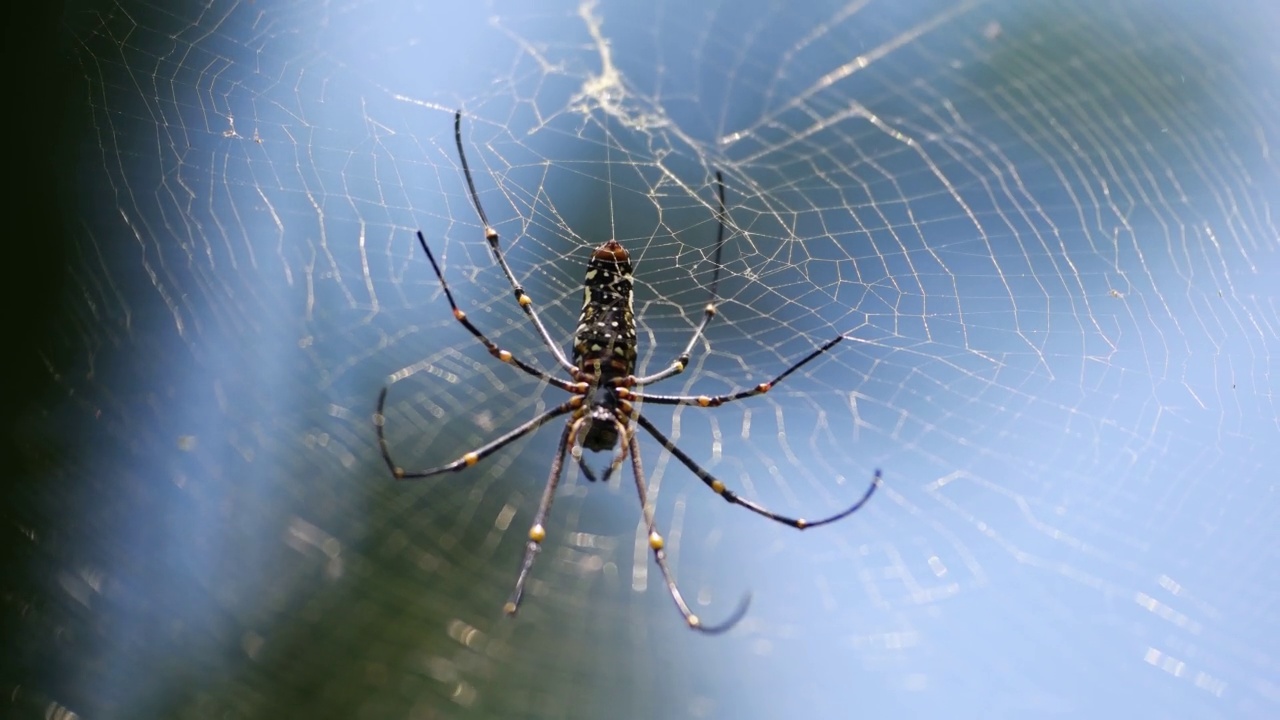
{"type": "Point", "coordinates": [604, 345]}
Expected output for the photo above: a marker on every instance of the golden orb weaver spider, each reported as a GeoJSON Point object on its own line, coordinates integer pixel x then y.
{"type": "Point", "coordinates": [601, 406]}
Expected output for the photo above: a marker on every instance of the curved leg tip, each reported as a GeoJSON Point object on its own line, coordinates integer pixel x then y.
{"type": "Point", "coordinates": [738, 613]}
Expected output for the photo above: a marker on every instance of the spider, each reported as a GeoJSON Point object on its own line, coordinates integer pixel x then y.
{"type": "Point", "coordinates": [603, 404]}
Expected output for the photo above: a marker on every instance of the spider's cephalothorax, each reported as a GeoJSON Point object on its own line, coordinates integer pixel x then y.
{"type": "Point", "coordinates": [602, 404]}
{"type": "Point", "coordinates": [604, 345]}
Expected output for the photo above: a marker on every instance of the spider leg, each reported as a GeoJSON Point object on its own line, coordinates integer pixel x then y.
{"type": "Point", "coordinates": [682, 361]}
{"type": "Point", "coordinates": [608, 471]}
{"type": "Point", "coordinates": [656, 543]}
{"type": "Point", "coordinates": [591, 474]}
{"type": "Point", "coordinates": [474, 456]}
{"type": "Point", "coordinates": [716, 400]}
{"type": "Point", "coordinates": [586, 469]}
{"type": "Point", "coordinates": [491, 236]}
{"type": "Point", "coordinates": [494, 350]}
{"type": "Point", "coordinates": [623, 443]}
{"type": "Point", "coordinates": [538, 533]}
{"type": "Point", "coordinates": [575, 448]}
{"type": "Point", "coordinates": [710, 481]}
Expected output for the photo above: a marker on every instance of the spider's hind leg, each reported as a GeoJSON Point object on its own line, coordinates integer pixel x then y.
{"type": "Point", "coordinates": [658, 545]}
{"type": "Point", "coordinates": [538, 532]}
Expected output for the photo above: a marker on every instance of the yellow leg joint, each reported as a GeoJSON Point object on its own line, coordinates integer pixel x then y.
{"type": "Point", "coordinates": [537, 533]}
{"type": "Point", "coordinates": [655, 541]}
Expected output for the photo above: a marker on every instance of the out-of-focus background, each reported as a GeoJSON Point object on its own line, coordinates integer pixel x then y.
{"type": "Point", "coordinates": [1048, 229]}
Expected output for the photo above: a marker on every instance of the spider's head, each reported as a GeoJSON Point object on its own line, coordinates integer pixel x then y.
{"type": "Point", "coordinates": [601, 431]}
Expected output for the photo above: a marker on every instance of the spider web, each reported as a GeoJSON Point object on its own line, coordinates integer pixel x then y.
{"type": "Point", "coordinates": [1048, 234]}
